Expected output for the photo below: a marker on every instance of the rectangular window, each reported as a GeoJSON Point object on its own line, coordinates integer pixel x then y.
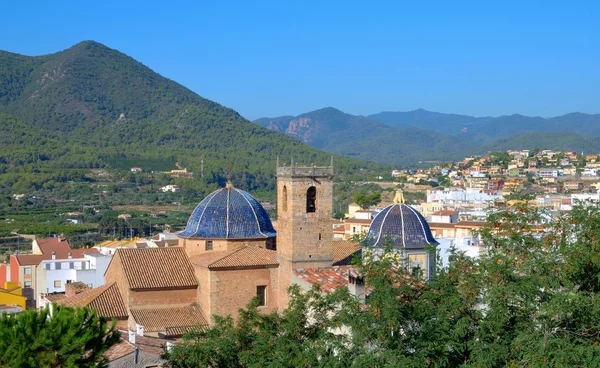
{"type": "Point", "coordinates": [57, 265]}
{"type": "Point", "coordinates": [47, 266]}
{"type": "Point", "coordinates": [261, 293]}
{"type": "Point", "coordinates": [27, 270]}
{"type": "Point", "coordinates": [57, 283]}
{"type": "Point", "coordinates": [71, 265]}
{"type": "Point", "coordinates": [208, 245]}
{"type": "Point", "coordinates": [27, 284]}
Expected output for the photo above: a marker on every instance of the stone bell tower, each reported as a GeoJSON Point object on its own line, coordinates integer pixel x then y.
{"type": "Point", "coordinates": [304, 227]}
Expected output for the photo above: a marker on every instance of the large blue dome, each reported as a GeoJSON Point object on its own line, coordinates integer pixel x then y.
{"type": "Point", "coordinates": [229, 213]}
{"type": "Point", "coordinates": [402, 225]}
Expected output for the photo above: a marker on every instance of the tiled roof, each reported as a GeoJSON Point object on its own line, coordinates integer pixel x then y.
{"type": "Point", "coordinates": [30, 259]}
{"type": "Point", "coordinates": [150, 268]}
{"type": "Point", "coordinates": [149, 345]}
{"type": "Point", "coordinates": [402, 226]}
{"type": "Point", "coordinates": [330, 278]}
{"type": "Point", "coordinates": [35, 259]}
{"type": "Point", "coordinates": [247, 256]}
{"type": "Point", "coordinates": [47, 245]}
{"type": "Point", "coordinates": [118, 243]}
{"type": "Point", "coordinates": [173, 320]}
{"type": "Point", "coordinates": [106, 300]}
{"type": "Point", "coordinates": [229, 213]}
{"type": "Point", "coordinates": [343, 251]}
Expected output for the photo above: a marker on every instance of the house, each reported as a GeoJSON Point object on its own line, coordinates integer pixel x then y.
{"type": "Point", "coordinates": [574, 186]}
{"type": "Point", "coordinates": [590, 171]}
{"type": "Point", "coordinates": [170, 188]}
{"type": "Point", "coordinates": [25, 268]}
{"type": "Point", "coordinates": [445, 216]}
{"type": "Point", "coordinates": [136, 169]}
{"type": "Point", "coordinates": [11, 294]}
{"type": "Point", "coordinates": [124, 216]}
{"type": "Point", "coordinates": [54, 275]}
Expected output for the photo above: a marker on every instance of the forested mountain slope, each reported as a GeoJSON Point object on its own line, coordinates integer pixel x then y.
{"type": "Point", "coordinates": [93, 107]}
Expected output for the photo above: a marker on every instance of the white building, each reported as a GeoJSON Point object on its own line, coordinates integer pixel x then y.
{"type": "Point", "coordinates": [170, 188]}
{"type": "Point", "coordinates": [460, 195]}
{"type": "Point", "coordinates": [54, 274]}
{"type": "Point", "coordinates": [590, 171]}
{"type": "Point", "coordinates": [585, 198]}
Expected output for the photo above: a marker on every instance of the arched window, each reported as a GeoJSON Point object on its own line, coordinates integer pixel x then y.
{"type": "Point", "coordinates": [284, 199]}
{"type": "Point", "coordinates": [311, 199]}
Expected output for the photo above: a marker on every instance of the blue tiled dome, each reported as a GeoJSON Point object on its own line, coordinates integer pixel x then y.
{"type": "Point", "coordinates": [403, 225]}
{"type": "Point", "coordinates": [229, 213]}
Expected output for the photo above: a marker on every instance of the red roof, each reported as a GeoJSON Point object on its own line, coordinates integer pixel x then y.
{"type": "Point", "coordinates": [106, 300]}
{"type": "Point", "coordinates": [248, 257]}
{"type": "Point", "coordinates": [330, 278]}
{"type": "Point", "coordinates": [343, 251]}
{"type": "Point", "coordinates": [47, 245]}
{"type": "Point", "coordinates": [171, 321]}
{"type": "Point", "coordinates": [35, 259]}
{"type": "Point", "coordinates": [152, 268]}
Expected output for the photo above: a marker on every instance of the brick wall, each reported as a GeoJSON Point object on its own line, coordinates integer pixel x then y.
{"type": "Point", "coordinates": [233, 289]}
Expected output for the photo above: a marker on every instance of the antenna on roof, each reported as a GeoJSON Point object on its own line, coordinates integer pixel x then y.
{"type": "Point", "coordinates": [277, 161]}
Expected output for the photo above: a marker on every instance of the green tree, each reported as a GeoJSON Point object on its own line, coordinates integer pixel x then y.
{"type": "Point", "coordinates": [367, 200]}
{"type": "Point", "coordinates": [65, 338]}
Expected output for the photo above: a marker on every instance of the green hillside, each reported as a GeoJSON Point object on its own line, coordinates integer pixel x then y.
{"type": "Point", "coordinates": [92, 107]}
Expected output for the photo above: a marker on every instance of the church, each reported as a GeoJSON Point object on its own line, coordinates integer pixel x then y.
{"type": "Point", "coordinates": [230, 253]}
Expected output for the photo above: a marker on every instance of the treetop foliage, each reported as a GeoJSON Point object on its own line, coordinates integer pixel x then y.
{"type": "Point", "coordinates": [66, 337]}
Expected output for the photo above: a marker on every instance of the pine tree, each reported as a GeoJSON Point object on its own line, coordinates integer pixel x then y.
{"type": "Point", "coordinates": [67, 337]}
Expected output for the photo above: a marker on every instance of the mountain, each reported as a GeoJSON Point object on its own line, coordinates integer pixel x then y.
{"type": "Point", "coordinates": [94, 107]}
{"type": "Point", "coordinates": [405, 138]}
{"type": "Point", "coordinates": [546, 140]}
{"type": "Point", "coordinates": [357, 136]}
{"type": "Point", "coordinates": [423, 119]}
{"type": "Point", "coordinates": [487, 129]}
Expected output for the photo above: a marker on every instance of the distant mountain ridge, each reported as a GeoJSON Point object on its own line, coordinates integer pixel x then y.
{"type": "Point", "coordinates": [501, 126]}
{"type": "Point", "coordinates": [406, 137]}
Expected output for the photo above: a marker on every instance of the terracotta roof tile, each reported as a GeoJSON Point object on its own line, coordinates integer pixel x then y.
{"type": "Point", "coordinates": [175, 321]}
{"type": "Point", "coordinates": [244, 257]}
{"type": "Point", "coordinates": [146, 344]}
{"type": "Point", "coordinates": [330, 278]}
{"type": "Point", "coordinates": [151, 268]}
{"type": "Point", "coordinates": [47, 245]}
{"type": "Point", "coordinates": [35, 259]}
{"type": "Point", "coordinates": [106, 300]}
{"type": "Point", "coordinates": [343, 251]}
{"type": "Point", "coordinates": [247, 257]}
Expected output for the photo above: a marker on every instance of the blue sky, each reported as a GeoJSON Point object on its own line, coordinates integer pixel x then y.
{"type": "Point", "coordinates": [285, 57]}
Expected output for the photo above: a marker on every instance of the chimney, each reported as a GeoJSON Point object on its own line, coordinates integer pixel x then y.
{"type": "Point", "coordinates": [53, 254]}
{"type": "Point", "coordinates": [70, 255]}
{"type": "Point", "coordinates": [132, 337]}
{"type": "Point", "coordinates": [140, 330]}
{"type": "Point", "coordinates": [356, 286]}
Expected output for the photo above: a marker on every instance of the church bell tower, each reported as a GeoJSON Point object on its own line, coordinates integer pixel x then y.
{"type": "Point", "coordinates": [304, 227]}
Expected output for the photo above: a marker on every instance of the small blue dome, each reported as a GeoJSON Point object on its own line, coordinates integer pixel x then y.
{"type": "Point", "coordinates": [229, 213]}
{"type": "Point", "coordinates": [403, 225]}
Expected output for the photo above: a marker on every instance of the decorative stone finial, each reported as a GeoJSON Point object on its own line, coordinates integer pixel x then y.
{"type": "Point", "coordinates": [399, 197]}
